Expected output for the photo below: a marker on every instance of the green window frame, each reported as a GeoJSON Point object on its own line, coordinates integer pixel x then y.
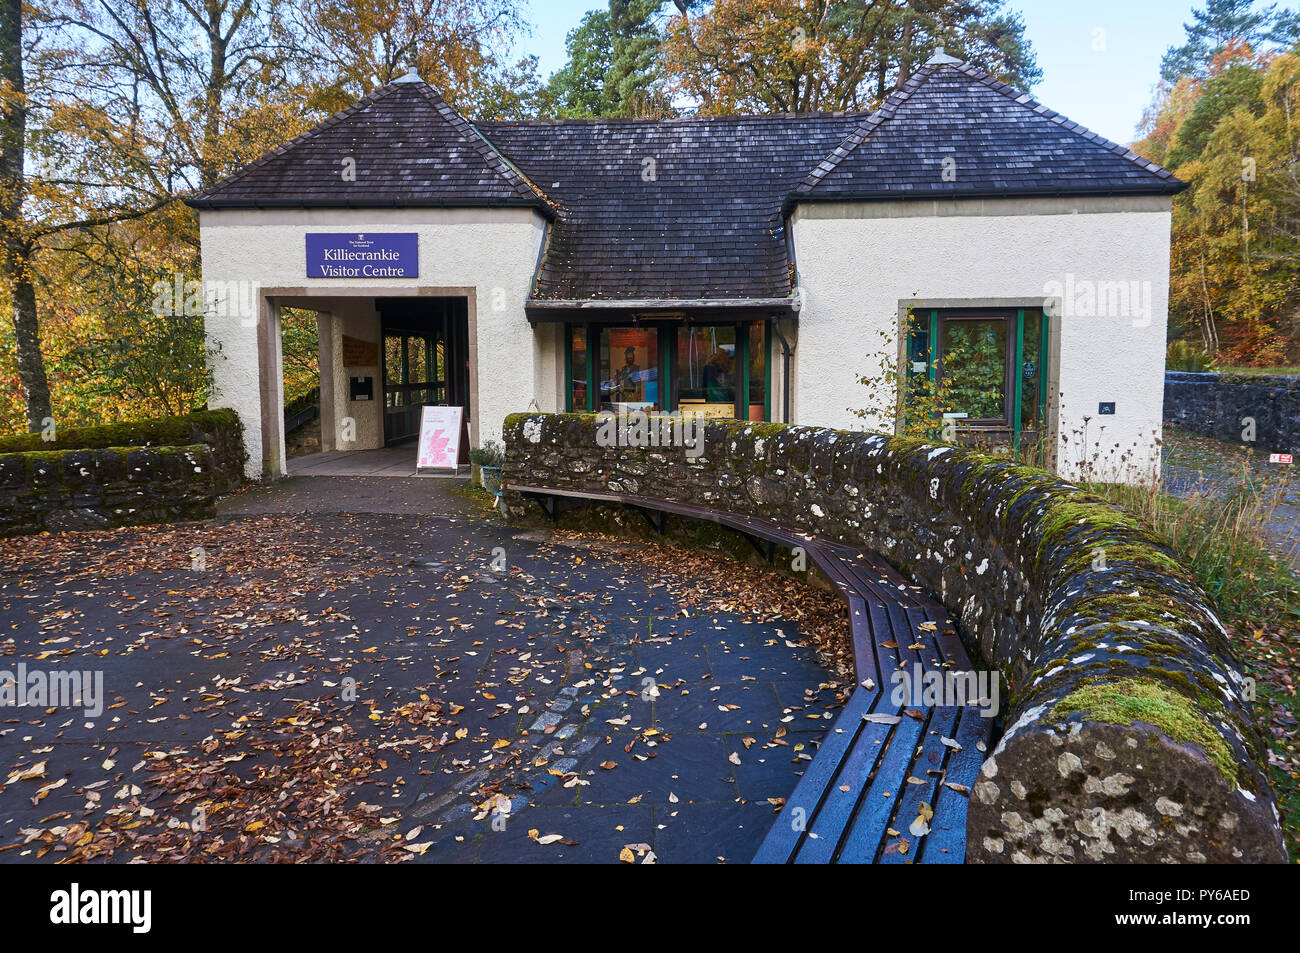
{"type": "Point", "coordinates": [667, 358]}
{"type": "Point", "coordinates": [1018, 395]}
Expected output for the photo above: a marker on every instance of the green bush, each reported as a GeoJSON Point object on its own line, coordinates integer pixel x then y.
{"type": "Point", "coordinates": [1182, 356]}
{"type": "Point", "coordinates": [491, 454]}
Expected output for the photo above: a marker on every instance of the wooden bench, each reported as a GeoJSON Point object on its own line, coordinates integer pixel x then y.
{"type": "Point", "coordinates": [886, 764]}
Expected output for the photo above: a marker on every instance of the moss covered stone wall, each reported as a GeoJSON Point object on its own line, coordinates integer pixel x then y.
{"type": "Point", "coordinates": [219, 429]}
{"type": "Point", "coordinates": [61, 490]}
{"type": "Point", "coordinates": [1126, 734]}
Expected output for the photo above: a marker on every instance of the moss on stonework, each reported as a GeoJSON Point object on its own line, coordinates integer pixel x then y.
{"type": "Point", "coordinates": [1129, 605]}
{"type": "Point", "coordinates": [163, 431]}
{"type": "Point", "coordinates": [1139, 553]}
{"type": "Point", "coordinates": [1086, 511]}
{"type": "Point", "coordinates": [1130, 700]}
{"type": "Point", "coordinates": [766, 430]}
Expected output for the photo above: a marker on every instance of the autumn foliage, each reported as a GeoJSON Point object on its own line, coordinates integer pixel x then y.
{"type": "Point", "coordinates": [1234, 135]}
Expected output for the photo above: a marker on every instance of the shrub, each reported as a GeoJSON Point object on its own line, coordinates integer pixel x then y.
{"type": "Point", "coordinates": [491, 454]}
{"type": "Point", "coordinates": [1182, 356]}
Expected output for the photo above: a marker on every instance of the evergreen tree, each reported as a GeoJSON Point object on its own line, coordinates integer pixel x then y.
{"type": "Point", "coordinates": [1222, 23]}
{"type": "Point", "coordinates": [578, 91]}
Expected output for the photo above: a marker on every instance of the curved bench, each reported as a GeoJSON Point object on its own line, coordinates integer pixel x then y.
{"type": "Point", "coordinates": [891, 778]}
{"type": "Point", "coordinates": [1128, 735]}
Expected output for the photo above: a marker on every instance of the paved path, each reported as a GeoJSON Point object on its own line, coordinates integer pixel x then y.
{"type": "Point", "coordinates": [515, 699]}
{"type": "Point", "coordinates": [1196, 464]}
{"type": "Point", "coordinates": [388, 462]}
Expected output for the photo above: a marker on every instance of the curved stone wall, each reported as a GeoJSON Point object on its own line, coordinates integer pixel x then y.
{"type": "Point", "coordinates": [1126, 735]}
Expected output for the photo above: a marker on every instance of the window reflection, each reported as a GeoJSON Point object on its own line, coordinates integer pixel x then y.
{"type": "Point", "coordinates": [629, 369]}
{"type": "Point", "coordinates": [706, 370]}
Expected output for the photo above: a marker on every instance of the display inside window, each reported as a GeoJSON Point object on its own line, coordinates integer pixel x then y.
{"type": "Point", "coordinates": [629, 369]}
{"type": "Point", "coordinates": [974, 367]}
{"type": "Point", "coordinates": [578, 368]}
{"type": "Point", "coordinates": [706, 370]}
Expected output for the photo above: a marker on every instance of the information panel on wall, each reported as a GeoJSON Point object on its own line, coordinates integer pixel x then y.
{"type": "Point", "coordinates": [363, 255]}
{"type": "Point", "coordinates": [359, 353]}
{"type": "Point", "coordinates": [440, 429]}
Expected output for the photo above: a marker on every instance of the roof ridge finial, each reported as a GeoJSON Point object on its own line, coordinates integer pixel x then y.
{"type": "Point", "coordinates": [941, 58]}
{"type": "Point", "coordinates": [409, 74]}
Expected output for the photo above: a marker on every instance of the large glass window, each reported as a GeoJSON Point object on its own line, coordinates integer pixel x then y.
{"type": "Point", "coordinates": [706, 370]}
{"type": "Point", "coordinates": [700, 370]}
{"type": "Point", "coordinates": [974, 366]}
{"type": "Point", "coordinates": [629, 369]}
{"type": "Point", "coordinates": [991, 367]}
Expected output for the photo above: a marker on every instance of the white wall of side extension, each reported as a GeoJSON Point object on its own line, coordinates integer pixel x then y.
{"type": "Point", "coordinates": [1102, 263]}
{"type": "Point", "coordinates": [488, 255]}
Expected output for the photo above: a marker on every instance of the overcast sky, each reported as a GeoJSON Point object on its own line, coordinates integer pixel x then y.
{"type": "Point", "coordinates": [1105, 89]}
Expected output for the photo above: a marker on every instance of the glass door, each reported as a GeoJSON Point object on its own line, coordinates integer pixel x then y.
{"type": "Point", "coordinates": [415, 370]}
{"type": "Point", "coordinates": [990, 368]}
{"type": "Point", "coordinates": [706, 380]}
{"type": "Point", "coordinates": [974, 373]}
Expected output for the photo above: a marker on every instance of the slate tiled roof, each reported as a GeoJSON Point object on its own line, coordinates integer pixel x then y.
{"type": "Point", "coordinates": [1000, 141]}
{"type": "Point", "coordinates": [689, 209]}
{"type": "Point", "coordinates": [679, 209]}
{"type": "Point", "coordinates": [410, 148]}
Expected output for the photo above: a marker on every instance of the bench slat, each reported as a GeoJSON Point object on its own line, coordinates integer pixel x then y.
{"type": "Point", "coordinates": [877, 807]}
{"type": "Point", "coordinates": [782, 841]}
{"type": "Point", "coordinates": [947, 841]}
{"type": "Point", "coordinates": [927, 768]}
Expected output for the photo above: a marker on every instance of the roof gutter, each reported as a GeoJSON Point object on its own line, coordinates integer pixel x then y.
{"type": "Point", "coordinates": [634, 310]}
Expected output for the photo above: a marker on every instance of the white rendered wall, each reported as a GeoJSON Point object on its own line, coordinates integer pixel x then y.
{"type": "Point", "coordinates": [859, 263]}
{"type": "Point", "coordinates": [488, 254]}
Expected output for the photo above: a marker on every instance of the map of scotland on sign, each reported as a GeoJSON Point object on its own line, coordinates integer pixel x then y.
{"type": "Point", "coordinates": [439, 438]}
{"type": "Point", "coordinates": [363, 255]}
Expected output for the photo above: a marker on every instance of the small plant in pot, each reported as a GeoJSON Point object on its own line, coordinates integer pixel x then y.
{"type": "Point", "coordinates": [488, 460]}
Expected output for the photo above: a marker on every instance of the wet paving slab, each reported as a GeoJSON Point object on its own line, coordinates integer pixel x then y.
{"type": "Point", "coordinates": [434, 687]}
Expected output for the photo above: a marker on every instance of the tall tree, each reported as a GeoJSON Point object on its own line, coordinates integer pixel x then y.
{"type": "Point", "coordinates": [614, 65]}
{"type": "Point", "coordinates": [578, 90]}
{"type": "Point", "coordinates": [1225, 22]}
{"type": "Point", "coordinates": [356, 46]}
{"type": "Point", "coordinates": [1234, 285]}
{"type": "Point", "coordinates": [110, 113]}
{"type": "Point", "coordinates": [17, 253]}
{"type": "Point", "coordinates": [211, 82]}
{"type": "Point", "coordinates": [634, 78]}
{"type": "Point", "coordinates": [803, 55]}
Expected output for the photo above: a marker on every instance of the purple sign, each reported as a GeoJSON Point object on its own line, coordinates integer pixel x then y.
{"type": "Point", "coordinates": [363, 255]}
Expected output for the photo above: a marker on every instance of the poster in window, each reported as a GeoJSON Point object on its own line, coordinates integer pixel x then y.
{"type": "Point", "coordinates": [439, 438]}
